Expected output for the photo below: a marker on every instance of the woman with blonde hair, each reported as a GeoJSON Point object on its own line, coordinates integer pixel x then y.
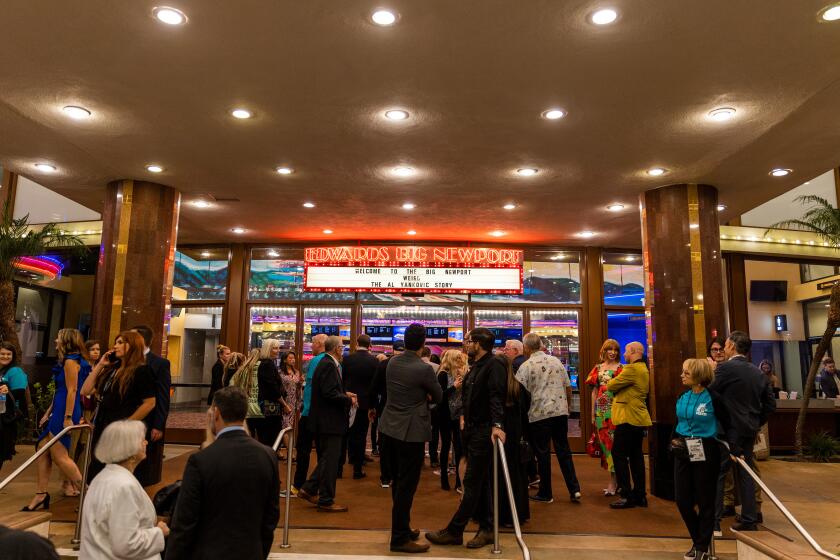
{"type": "Point", "coordinates": [453, 367]}
{"type": "Point", "coordinates": [607, 368]}
{"type": "Point", "coordinates": [232, 366]}
{"type": "Point", "coordinates": [66, 410]}
{"type": "Point", "coordinates": [119, 520]}
{"type": "Point", "coordinates": [218, 371]}
{"type": "Point", "coordinates": [271, 393]}
{"type": "Point", "coordinates": [247, 379]}
{"type": "Point", "coordinates": [123, 387]}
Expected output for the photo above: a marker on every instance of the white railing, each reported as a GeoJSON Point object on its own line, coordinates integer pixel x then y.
{"type": "Point", "coordinates": [499, 452]}
{"type": "Point", "coordinates": [290, 446]}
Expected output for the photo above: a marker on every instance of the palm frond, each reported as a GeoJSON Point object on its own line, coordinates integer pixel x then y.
{"type": "Point", "coordinates": [821, 218]}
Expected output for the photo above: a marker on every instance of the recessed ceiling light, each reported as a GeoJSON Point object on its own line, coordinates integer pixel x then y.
{"type": "Point", "coordinates": [77, 113]}
{"type": "Point", "coordinates": [721, 207]}
{"type": "Point", "coordinates": [585, 234]}
{"type": "Point", "coordinates": [553, 114]}
{"type": "Point", "coordinates": [169, 16]}
{"type": "Point", "coordinates": [238, 230]}
{"type": "Point", "coordinates": [527, 171]}
{"type": "Point", "coordinates": [722, 114]}
{"type": "Point", "coordinates": [384, 17]}
{"type": "Point", "coordinates": [285, 170]}
{"type": "Point", "coordinates": [309, 205]}
{"type": "Point", "coordinates": [497, 233]}
{"type": "Point", "coordinates": [396, 115]}
{"type": "Point", "coordinates": [604, 17]}
{"type": "Point", "coordinates": [830, 13]}
{"type": "Point", "coordinates": [241, 113]}
{"type": "Point", "coordinates": [656, 171]}
{"type": "Point", "coordinates": [273, 253]}
{"type": "Point", "coordinates": [45, 167]}
{"type": "Point", "coordinates": [780, 172]}
{"type": "Point", "coordinates": [205, 254]}
{"type": "Point", "coordinates": [558, 257]}
{"type": "Point", "coordinates": [615, 207]}
{"type": "Point", "coordinates": [509, 206]}
{"type": "Point", "coordinates": [201, 204]}
{"type": "Point", "coordinates": [629, 258]}
{"type": "Point", "coordinates": [411, 232]}
{"type": "Point", "coordinates": [409, 206]}
{"type": "Point", "coordinates": [328, 231]}
{"type": "Point", "coordinates": [403, 171]}
{"type": "Point", "coordinates": [154, 168]}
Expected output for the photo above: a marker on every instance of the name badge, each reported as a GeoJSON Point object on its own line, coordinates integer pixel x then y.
{"type": "Point", "coordinates": [696, 453]}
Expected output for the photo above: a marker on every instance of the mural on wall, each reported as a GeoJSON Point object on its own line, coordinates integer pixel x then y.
{"type": "Point", "coordinates": [283, 279]}
{"type": "Point", "coordinates": [624, 284]}
{"type": "Point", "coordinates": [544, 282]}
{"type": "Point", "coordinates": [200, 279]}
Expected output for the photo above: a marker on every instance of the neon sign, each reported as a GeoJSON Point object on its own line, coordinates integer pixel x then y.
{"type": "Point", "coordinates": [49, 267]}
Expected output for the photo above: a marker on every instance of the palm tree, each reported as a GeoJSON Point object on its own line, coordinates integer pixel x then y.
{"type": "Point", "coordinates": [824, 220]}
{"type": "Point", "coordinates": [17, 240]}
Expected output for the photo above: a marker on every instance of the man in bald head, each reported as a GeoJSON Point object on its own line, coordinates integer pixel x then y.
{"type": "Point", "coordinates": [630, 416]}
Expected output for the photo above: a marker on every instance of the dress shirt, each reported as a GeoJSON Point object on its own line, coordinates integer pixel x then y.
{"type": "Point", "coordinates": [546, 379]}
{"type": "Point", "coordinates": [230, 429]}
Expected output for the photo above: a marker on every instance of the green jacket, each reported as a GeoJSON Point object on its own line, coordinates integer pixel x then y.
{"type": "Point", "coordinates": [630, 390]}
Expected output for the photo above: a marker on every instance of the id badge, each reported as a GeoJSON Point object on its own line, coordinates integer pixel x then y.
{"type": "Point", "coordinates": [696, 453]}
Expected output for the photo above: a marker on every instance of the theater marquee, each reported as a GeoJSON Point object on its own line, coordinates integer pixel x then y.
{"type": "Point", "coordinates": [416, 269]}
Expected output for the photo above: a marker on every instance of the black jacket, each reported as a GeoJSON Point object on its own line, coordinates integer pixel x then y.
{"type": "Point", "coordinates": [216, 375]}
{"type": "Point", "coordinates": [359, 369]}
{"type": "Point", "coordinates": [228, 505]}
{"type": "Point", "coordinates": [485, 389]}
{"type": "Point", "coordinates": [163, 381]}
{"type": "Point", "coordinates": [828, 386]}
{"type": "Point", "coordinates": [747, 397]}
{"type": "Point", "coordinates": [330, 406]}
{"type": "Point", "coordinates": [269, 386]}
{"type": "Point", "coordinates": [377, 394]}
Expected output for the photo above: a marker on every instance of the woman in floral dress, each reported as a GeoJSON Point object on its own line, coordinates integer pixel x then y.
{"type": "Point", "coordinates": [598, 378]}
{"type": "Point", "coordinates": [292, 382]}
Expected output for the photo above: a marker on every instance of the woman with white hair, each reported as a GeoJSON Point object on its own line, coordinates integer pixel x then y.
{"type": "Point", "coordinates": [118, 521]}
{"type": "Point", "coordinates": [271, 395]}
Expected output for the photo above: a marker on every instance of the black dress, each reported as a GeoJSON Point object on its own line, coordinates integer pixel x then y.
{"type": "Point", "coordinates": [516, 431]}
{"type": "Point", "coordinates": [215, 380]}
{"type": "Point", "coordinates": [8, 428]}
{"type": "Point", "coordinates": [270, 390]}
{"type": "Point", "coordinates": [114, 406]}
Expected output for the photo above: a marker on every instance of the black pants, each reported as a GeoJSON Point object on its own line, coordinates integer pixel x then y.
{"type": "Point", "coordinates": [406, 462]}
{"type": "Point", "coordinates": [628, 458]}
{"type": "Point", "coordinates": [268, 429]}
{"type": "Point", "coordinates": [322, 481]}
{"type": "Point", "coordinates": [148, 472]}
{"type": "Point", "coordinates": [450, 435]}
{"type": "Point", "coordinates": [543, 433]}
{"type": "Point", "coordinates": [475, 503]}
{"type": "Point", "coordinates": [433, 445]}
{"type": "Point", "coordinates": [357, 441]}
{"type": "Point", "coordinates": [385, 469]}
{"type": "Point", "coordinates": [695, 486]}
{"type": "Point", "coordinates": [374, 433]}
{"type": "Point", "coordinates": [744, 484]}
{"type": "Point", "coordinates": [303, 445]}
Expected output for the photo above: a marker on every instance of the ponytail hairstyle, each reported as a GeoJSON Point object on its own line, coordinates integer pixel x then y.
{"type": "Point", "coordinates": [70, 341]}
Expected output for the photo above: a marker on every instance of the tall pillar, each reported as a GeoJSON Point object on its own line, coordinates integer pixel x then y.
{"type": "Point", "coordinates": [136, 260]}
{"type": "Point", "coordinates": [684, 302]}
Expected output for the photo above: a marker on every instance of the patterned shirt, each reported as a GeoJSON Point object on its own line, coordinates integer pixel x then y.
{"type": "Point", "coordinates": [546, 379]}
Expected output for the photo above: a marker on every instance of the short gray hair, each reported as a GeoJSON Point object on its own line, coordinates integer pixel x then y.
{"type": "Point", "coordinates": [532, 341]}
{"type": "Point", "coordinates": [267, 345]}
{"type": "Point", "coordinates": [332, 343]}
{"type": "Point", "coordinates": [120, 441]}
{"type": "Point", "coordinates": [515, 344]}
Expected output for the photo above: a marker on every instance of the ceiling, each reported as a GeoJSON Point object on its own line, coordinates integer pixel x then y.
{"type": "Point", "coordinates": [475, 76]}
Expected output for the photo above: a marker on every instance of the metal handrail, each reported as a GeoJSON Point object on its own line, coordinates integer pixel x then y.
{"type": "Point", "coordinates": [56, 439]}
{"type": "Point", "coordinates": [778, 503]}
{"type": "Point", "coordinates": [290, 445]}
{"type": "Point", "coordinates": [526, 553]}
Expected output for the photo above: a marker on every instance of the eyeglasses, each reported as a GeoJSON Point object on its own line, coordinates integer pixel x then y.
{"type": "Point", "coordinates": [468, 341]}
{"type": "Point", "coordinates": [716, 350]}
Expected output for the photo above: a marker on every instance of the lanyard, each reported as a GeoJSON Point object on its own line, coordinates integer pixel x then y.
{"type": "Point", "coordinates": [690, 420]}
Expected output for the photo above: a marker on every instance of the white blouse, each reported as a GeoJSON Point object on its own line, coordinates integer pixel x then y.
{"type": "Point", "coordinates": [118, 521]}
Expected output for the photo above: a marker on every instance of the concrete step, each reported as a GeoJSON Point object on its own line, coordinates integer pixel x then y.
{"type": "Point", "coordinates": [766, 545]}
{"type": "Point", "coordinates": [35, 521]}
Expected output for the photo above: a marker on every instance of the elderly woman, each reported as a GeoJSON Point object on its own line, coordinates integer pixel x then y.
{"type": "Point", "coordinates": [118, 521]}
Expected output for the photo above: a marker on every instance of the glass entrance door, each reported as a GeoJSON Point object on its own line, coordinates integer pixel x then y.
{"type": "Point", "coordinates": [274, 322]}
{"type": "Point", "coordinates": [386, 325]}
{"type": "Point", "coordinates": [506, 324]}
{"type": "Point", "coordinates": [328, 320]}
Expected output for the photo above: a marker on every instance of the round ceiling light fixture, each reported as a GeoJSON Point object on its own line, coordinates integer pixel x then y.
{"type": "Point", "coordinates": [604, 16]}
{"type": "Point", "coordinates": [781, 172]}
{"type": "Point", "coordinates": [241, 113]}
{"type": "Point", "coordinates": [285, 170]}
{"type": "Point", "coordinates": [553, 114]}
{"type": "Point", "coordinates": [383, 17]}
{"type": "Point", "coordinates": [76, 113]}
{"type": "Point", "coordinates": [830, 13]}
{"type": "Point", "coordinates": [722, 114]}
{"type": "Point", "coordinates": [201, 204]}
{"type": "Point", "coordinates": [630, 258]}
{"type": "Point", "coordinates": [497, 233]}
{"type": "Point", "coordinates": [45, 167]}
{"type": "Point", "coordinates": [309, 205]}
{"type": "Point", "coordinates": [527, 171]}
{"type": "Point", "coordinates": [411, 232]}
{"type": "Point", "coordinates": [657, 171]}
{"type": "Point", "coordinates": [205, 254]}
{"type": "Point", "coordinates": [721, 207]}
{"type": "Point", "coordinates": [169, 15]}
{"type": "Point", "coordinates": [238, 230]}
{"type": "Point", "coordinates": [328, 231]}
{"type": "Point", "coordinates": [586, 234]}
{"type": "Point", "coordinates": [403, 171]}
{"type": "Point", "coordinates": [273, 253]}
{"type": "Point", "coordinates": [409, 206]}
{"type": "Point", "coordinates": [396, 115]}
{"type": "Point", "coordinates": [615, 207]}
{"type": "Point", "coordinates": [509, 206]}
{"type": "Point", "coordinates": [154, 168]}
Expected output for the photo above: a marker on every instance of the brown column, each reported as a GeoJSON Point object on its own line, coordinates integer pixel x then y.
{"type": "Point", "coordinates": [736, 292]}
{"type": "Point", "coordinates": [234, 321]}
{"type": "Point", "coordinates": [136, 261]}
{"type": "Point", "coordinates": [683, 299]}
{"type": "Point", "coordinates": [593, 320]}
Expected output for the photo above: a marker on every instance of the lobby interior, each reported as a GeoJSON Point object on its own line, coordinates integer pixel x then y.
{"type": "Point", "coordinates": [636, 156]}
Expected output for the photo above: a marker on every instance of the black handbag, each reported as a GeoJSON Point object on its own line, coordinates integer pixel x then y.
{"type": "Point", "coordinates": [166, 498]}
{"type": "Point", "coordinates": [273, 409]}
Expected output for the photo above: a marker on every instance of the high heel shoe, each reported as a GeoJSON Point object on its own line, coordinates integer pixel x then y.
{"type": "Point", "coordinates": [45, 503]}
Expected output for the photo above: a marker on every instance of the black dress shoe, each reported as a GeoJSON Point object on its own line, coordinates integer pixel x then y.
{"type": "Point", "coordinates": [410, 547]}
{"type": "Point", "coordinates": [623, 503]}
{"type": "Point", "coordinates": [744, 527]}
{"type": "Point", "coordinates": [444, 537]}
{"type": "Point", "coordinates": [481, 539]}
{"type": "Point", "coordinates": [758, 518]}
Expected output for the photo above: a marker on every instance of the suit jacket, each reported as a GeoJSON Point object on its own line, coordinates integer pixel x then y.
{"type": "Point", "coordinates": [630, 389]}
{"type": "Point", "coordinates": [228, 505]}
{"type": "Point", "coordinates": [748, 397]}
{"type": "Point", "coordinates": [163, 382]}
{"type": "Point", "coordinates": [828, 386]}
{"type": "Point", "coordinates": [377, 397]}
{"type": "Point", "coordinates": [358, 370]}
{"type": "Point", "coordinates": [409, 382]}
{"type": "Point", "coordinates": [485, 392]}
{"type": "Point", "coordinates": [330, 405]}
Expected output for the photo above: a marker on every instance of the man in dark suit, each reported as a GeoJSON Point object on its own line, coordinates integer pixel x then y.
{"type": "Point", "coordinates": [149, 471]}
{"type": "Point", "coordinates": [228, 505]}
{"type": "Point", "coordinates": [328, 420]}
{"type": "Point", "coordinates": [359, 370]}
{"type": "Point", "coordinates": [406, 427]}
{"type": "Point", "coordinates": [829, 380]}
{"type": "Point", "coordinates": [748, 396]}
{"type": "Point", "coordinates": [377, 398]}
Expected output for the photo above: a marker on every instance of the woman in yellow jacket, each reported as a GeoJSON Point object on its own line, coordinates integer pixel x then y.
{"type": "Point", "coordinates": [631, 418]}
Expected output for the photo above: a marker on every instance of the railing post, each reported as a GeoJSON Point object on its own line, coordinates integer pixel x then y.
{"type": "Point", "coordinates": [77, 535]}
{"type": "Point", "coordinates": [289, 448]}
{"type": "Point", "coordinates": [496, 444]}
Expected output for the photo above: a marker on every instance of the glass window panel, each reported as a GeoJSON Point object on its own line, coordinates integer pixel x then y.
{"type": "Point", "coordinates": [193, 333]}
{"type": "Point", "coordinates": [200, 274]}
{"type": "Point", "coordinates": [386, 324]}
{"type": "Point", "coordinates": [624, 279]}
{"type": "Point", "coordinates": [812, 272]}
{"type": "Point", "coordinates": [548, 277]}
{"type": "Point", "coordinates": [325, 320]}
{"type": "Point", "coordinates": [31, 317]}
{"type": "Point", "coordinates": [278, 274]}
{"type": "Point", "coordinates": [506, 324]}
{"type": "Point", "coordinates": [273, 322]}
{"type": "Point", "coordinates": [626, 328]}
{"type": "Point", "coordinates": [427, 298]}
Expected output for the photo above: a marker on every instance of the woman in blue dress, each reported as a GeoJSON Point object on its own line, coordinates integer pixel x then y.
{"type": "Point", "coordinates": [66, 410]}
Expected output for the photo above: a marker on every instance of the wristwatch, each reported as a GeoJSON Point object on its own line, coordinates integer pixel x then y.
{"type": "Point", "coordinates": [498, 425]}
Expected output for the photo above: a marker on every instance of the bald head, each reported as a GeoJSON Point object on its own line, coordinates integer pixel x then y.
{"type": "Point", "coordinates": [318, 342]}
{"type": "Point", "coordinates": [634, 352]}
